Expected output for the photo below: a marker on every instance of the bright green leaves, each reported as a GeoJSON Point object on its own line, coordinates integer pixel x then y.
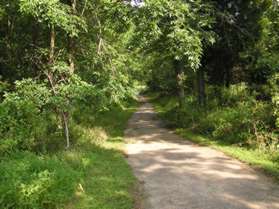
{"type": "Point", "coordinates": [54, 13]}
{"type": "Point", "coordinates": [186, 44]}
{"type": "Point", "coordinates": [181, 28]}
{"type": "Point", "coordinates": [22, 116]}
{"type": "Point", "coordinates": [26, 112]}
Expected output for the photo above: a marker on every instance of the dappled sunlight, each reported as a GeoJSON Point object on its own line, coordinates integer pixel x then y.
{"type": "Point", "coordinates": [179, 174]}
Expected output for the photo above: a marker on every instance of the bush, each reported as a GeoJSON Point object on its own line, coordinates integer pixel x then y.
{"type": "Point", "coordinates": [274, 82]}
{"type": "Point", "coordinates": [85, 176]}
{"type": "Point", "coordinates": [30, 116]}
{"type": "Point", "coordinates": [34, 182]}
{"type": "Point", "coordinates": [229, 123]}
{"type": "Point", "coordinates": [23, 120]}
{"type": "Point", "coordinates": [241, 119]}
{"type": "Point", "coordinates": [228, 96]}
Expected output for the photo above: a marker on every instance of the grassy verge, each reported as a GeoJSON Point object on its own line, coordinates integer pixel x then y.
{"type": "Point", "coordinates": [93, 174]}
{"type": "Point", "coordinates": [263, 160]}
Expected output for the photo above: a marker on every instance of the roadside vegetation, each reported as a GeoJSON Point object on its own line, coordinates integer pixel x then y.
{"type": "Point", "coordinates": [228, 129]}
{"type": "Point", "coordinates": [70, 70]}
{"type": "Point", "coordinates": [92, 174]}
{"type": "Point", "coordinates": [228, 99]}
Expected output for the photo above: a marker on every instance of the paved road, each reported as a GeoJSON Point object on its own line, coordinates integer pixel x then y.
{"type": "Point", "coordinates": [177, 174]}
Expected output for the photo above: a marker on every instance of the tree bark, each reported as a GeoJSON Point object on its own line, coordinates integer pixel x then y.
{"type": "Point", "coordinates": [64, 115]}
{"type": "Point", "coordinates": [71, 55]}
{"type": "Point", "coordinates": [51, 59]}
{"type": "Point", "coordinates": [52, 45]}
{"type": "Point", "coordinates": [65, 118]}
{"type": "Point", "coordinates": [179, 68]}
{"type": "Point", "coordinates": [71, 41]}
{"type": "Point", "coordinates": [9, 38]}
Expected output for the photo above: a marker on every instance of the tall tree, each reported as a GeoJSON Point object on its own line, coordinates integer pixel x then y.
{"type": "Point", "coordinates": [179, 30]}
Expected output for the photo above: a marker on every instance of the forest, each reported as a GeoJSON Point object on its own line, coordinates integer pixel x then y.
{"type": "Point", "coordinates": [71, 72]}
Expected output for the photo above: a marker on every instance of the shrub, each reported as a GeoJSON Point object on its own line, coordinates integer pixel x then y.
{"type": "Point", "coordinates": [274, 81]}
{"type": "Point", "coordinates": [34, 182]}
{"type": "Point", "coordinates": [229, 123]}
{"type": "Point", "coordinates": [23, 120]}
{"type": "Point", "coordinates": [228, 96]}
{"type": "Point", "coordinates": [30, 116]}
{"type": "Point", "coordinates": [241, 119]}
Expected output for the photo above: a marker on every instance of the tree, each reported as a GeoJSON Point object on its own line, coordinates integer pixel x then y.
{"type": "Point", "coordinates": [180, 31]}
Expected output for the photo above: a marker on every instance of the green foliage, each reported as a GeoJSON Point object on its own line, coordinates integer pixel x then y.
{"type": "Point", "coordinates": [174, 27]}
{"type": "Point", "coordinates": [23, 120]}
{"type": "Point", "coordinates": [274, 81]}
{"type": "Point", "coordinates": [30, 181]}
{"type": "Point", "coordinates": [85, 176]}
{"type": "Point", "coordinates": [27, 114]}
{"type": "Point", "coordinates": [54, 13]}
{"type": "Point", "coordinates": [240, 119]}
{"type": "Point", "coordinates": [107, 183]}
{"type": "Point", "coordinates": [162, 74]}
{"type": "Point", "coordinates": [231, 95]}
{"type": "Point", "coordinates": [197, 127]}
{"type": "Point", "coordinates": [266, 161]}
{"type": "Point", "coordinates": [66, 64]}
{"type": "Point", "coordinates": [39, 57]}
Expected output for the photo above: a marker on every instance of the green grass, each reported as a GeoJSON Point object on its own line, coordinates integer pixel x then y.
{"type": "Point", "coordinates": [255, 157]}
{"type": "Point", "coordinates": [263, 160]}
{"type": "Point", "coordinates": [93, 174]}
{"type": "Point", "coordinates": [109, 181]}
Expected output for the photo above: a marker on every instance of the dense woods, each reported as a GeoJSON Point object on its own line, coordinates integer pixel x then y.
{"type": "Point", "coordinates": [231, 85]}
{"type": "Point", "coordinates": [69, 66]}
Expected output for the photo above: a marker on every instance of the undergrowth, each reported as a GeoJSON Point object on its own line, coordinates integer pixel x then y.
{"type": "Point", "coordinates": [92, 174]}
{"type": "Point", "coordinates": [240, 130]}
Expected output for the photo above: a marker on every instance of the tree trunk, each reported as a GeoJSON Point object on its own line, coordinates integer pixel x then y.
{"type": "Point", "coordinates": [201, 87]}
{"type": "Point", "coordinates": [71, 55]}
{"type": "Point", "coordinates": [71, 51]}
{"type": "Point", "coordinates": [180, 81]}
{"type": "Point", "coordinates": [71, 41]}
{"type": "Point", "coordinates": [51, 59]}
{"type": "Point", "coordinates": [9, 39]}
{"type": "Point", "coordinates": [227, 77]}
{"type": "Point", "coordinates": [52, 45]}
{"type": "Point", "coordinates": [64, 116]}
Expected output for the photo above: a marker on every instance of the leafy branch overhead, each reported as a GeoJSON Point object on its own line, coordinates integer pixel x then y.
{"type": "Point", "coordinates": [181, 28]}
{"type": "Point", "coordinates": [54, 13]}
